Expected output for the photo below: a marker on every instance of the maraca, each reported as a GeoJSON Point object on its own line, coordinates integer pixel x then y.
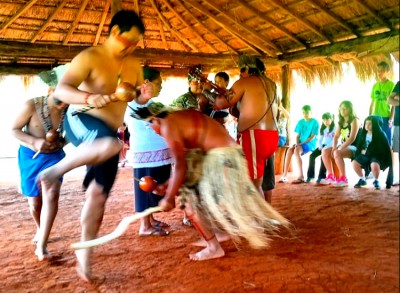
{"type": "Point", "coordinates": [51, 136]}
{"type": "Point", "coordinates": [125, 92]}
{"type": "Point", "coordinates": [147, 183]}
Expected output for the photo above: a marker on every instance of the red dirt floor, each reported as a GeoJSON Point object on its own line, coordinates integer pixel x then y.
{"type": "Point", "coordinates": [346, 240]}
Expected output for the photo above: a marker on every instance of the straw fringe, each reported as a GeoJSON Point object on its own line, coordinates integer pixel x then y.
{"type": "Point", "coordinates": [229, 200]}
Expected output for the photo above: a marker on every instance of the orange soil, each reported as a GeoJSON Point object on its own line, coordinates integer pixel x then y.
{"type": "Point", "coordinates": [347, 240]}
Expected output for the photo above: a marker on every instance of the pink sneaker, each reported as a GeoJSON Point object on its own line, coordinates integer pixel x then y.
{"type": "Point", "coordinates": [341, 182]}
{"type": "Point", "coordinates": [328, 180]}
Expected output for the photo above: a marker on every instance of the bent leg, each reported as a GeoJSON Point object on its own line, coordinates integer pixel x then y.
{"type": "Point", "coordinates": [297, 154]}
{"type": "Point", "coordinates": [288, 160]}
{"type": "Point", "coordinates": [95, 153]}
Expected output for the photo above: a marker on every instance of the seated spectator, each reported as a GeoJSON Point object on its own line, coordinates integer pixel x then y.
{"type": "Point", "coordinates": [346, 148]}
{"type": "Point", "coordinates": [326, 132]}
{"type": "Point", "coordinates": [373, 153]}
{"type": "Point", "coordinates": [306, 139]}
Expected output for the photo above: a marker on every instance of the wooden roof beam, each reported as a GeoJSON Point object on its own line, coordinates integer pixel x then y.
{"type": "Point", "coordinates": [273, 23]}
{"type": "Point", "coordinates": [137, 10]}
{"type": "Point", "coordinates": [102, 21]}
{"type": "Point", "coordinates": [162, 34]}
{"type": "Point", "coordinates": [178, 35]}
{"type": "Point", "coordinates": [115, 6]}
{"type": "Point", "coordinates": [189, 26]}
{"type": "Point", "coordinates": [334, 17]}
{"type": "Point", "coordinates": [205, 28]}
{"type": "Point", "coordinates": [67, 53]}
{"type": "Point", "coordinates": [246, 28]}
{"type": "Point", "coordinates": [373, 13]}
{"type": "Point", "coordinates": [136, 6]}
{"type": "Point", "coordinates": [376, 44]}
{"type": "Point", "coordinates": [48, 21]}
{"type": "Point", "coordinates": [302, 20]}
{"type": "Point", "coordinates": [231, 30]}
{"type": "Point", "coordinates": [16, 15]}
{"type": "Point", "coordinates": [76, 21]}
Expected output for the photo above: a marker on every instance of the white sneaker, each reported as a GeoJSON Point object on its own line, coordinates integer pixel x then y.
{"type": "Point", "coordinates": [283, 180]}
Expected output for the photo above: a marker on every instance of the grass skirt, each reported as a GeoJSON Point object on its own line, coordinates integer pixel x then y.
{"type": "Point", "coordinates": [228, 198]}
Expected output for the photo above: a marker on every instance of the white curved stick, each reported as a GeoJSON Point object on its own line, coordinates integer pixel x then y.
{"type": "Point", "coordinates": [121, 228]}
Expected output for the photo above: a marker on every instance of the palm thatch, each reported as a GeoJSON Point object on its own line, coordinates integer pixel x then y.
{"type": "Point", "coordinates": [311, 36]}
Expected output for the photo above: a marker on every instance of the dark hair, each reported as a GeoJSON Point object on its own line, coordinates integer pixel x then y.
{"type": "Point", "coordinates": [126, 19]}
{"type": "Point", "coordinates": [327, 115]}
{"type": "Point", "coordinates": [384, 65]}
{"type": "Point", "coordinates": [306, 108]}
{"type": "Point", "coordinates": [259, 70]}
{"type": "Point", "coordinates": [352, 115]}
{"type": "Point", "coordinates": [151, 73]}
{"type": "Point", "coordinates": [223, 75]}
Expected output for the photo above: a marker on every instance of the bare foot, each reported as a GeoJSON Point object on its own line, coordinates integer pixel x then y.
{"type": "Point", "coordinates": [221, 237]}
{"type": "Point", "coordinates": [208, 253]}
{"type": "Point", "coordinates": [83, 269]}
{"type": "Point", "coordinates": [42, 254]}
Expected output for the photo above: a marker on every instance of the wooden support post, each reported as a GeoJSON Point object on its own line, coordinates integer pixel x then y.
{"type": "Point", "coordinates": [286, 96]}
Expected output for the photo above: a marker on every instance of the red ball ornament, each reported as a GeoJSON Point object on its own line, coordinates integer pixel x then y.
{"type": "Point", "coordinates": [125, 92]}
{"type": "Point", "coordinates": [147, 184]}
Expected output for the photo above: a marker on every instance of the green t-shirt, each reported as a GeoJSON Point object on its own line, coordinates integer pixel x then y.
{"type": "Point", "coordinates": [380, 93]}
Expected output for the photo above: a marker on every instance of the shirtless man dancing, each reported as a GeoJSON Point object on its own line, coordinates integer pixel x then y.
{"type": "Point", "coordinates": [92, 79]}
{"type": "Point", "coordinates": [252, 99]}
{"type": "Point", "coordinates": [221, 193]}
{"type": "Point", "coordinates": [37, 117]}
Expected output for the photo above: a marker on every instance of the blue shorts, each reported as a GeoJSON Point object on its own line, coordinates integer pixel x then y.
{"type": "Point", "coordinates": [306, 148]}
{"type": "Point", "coordinates": [29, 168]}
{"type": "Point", "coordinates": [282, 141]}
{"type": "Point", "coordinates": [87, 128]}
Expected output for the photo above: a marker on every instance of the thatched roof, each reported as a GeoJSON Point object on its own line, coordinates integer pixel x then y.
{"type": "Point", "coordinates": [311, 35]}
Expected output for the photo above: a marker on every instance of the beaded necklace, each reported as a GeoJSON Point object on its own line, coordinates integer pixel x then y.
{"type": "Point", "coordinates": [43, 111]}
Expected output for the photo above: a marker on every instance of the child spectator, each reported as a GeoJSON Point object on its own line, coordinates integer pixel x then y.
{"type": "Point", "coordinates": [373, 153]}
{"type": "Point", "coordinates": [347, 132]}
{"type": "Point", "coordinates": [325, 141]}
{"type": "Point", "coordinates": [282, 124]}
{"type": "Point", "coordinates": [306, 139]}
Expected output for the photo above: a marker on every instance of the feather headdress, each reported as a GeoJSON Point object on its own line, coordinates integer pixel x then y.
{"type": "Point", "coordinates": [151, 111]}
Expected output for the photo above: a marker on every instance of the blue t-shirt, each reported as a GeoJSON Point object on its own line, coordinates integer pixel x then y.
{"type": "Point", "coordinates": [307, 128]}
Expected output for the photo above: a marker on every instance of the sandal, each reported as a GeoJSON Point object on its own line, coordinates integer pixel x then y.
{"type": "Point", "coordinates": [298, 181]}
{"type": "Point", "coordinates": [155, 232]}
{"type": "Point", "coordinates": [283, 180]}
{"type": "Point", "coordinates": [160, 224]}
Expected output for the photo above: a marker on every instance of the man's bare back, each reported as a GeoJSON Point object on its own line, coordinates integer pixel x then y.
{"type": "Point", "coordinates": [254, 95]}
